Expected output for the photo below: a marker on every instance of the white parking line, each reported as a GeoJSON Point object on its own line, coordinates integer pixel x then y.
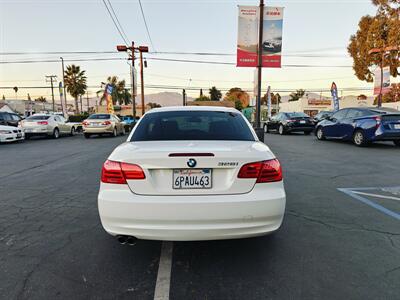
{"type": "Point", "coordinates": [376, 195]}
{"type": "Point", "coordinates": [164, 272]}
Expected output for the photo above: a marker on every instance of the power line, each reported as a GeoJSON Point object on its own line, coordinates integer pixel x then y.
{"type": "Point", "coordinates": [169, 60]}
{"type": "Point", "coordinates": [145, 24]}
{"type": "Point", "coordinates": [115, 24]}
{"type": "Point", "coordinates": [116, 18]}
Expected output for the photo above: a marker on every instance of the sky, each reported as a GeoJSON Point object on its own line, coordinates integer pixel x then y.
{"type": "Point", "coordinates": [320, 28]}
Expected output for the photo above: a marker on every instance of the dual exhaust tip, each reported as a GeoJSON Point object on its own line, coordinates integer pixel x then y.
{"type": "Point", "coordinates": [126, 239]}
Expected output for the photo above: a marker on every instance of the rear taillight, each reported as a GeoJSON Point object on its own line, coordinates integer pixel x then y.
{"type": "Point", "coordinates": [85, 123]}
{"type": "Point", "coordinates": [264, 171]}
{"type": "Point", "coordinates": [378, 120]}
{"type": "Point", "coordinates": [43, 123]}
{"type": "Point", "coordinates": [106, 123]}
{"type": "Point", "coordinates": [118, 173]}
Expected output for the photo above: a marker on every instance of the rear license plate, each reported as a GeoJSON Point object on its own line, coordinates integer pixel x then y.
{"type": "Point", "coordinates": [396, 126]}
{"type": "Point", "coordinates": [192, 179]}
{"type": "Point", "coordinates": [302, 122]}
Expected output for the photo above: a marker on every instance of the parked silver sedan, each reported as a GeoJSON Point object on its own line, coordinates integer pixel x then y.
{"type": "Point", "coordinates": [47, 125]}
{"type": "Point", "coordinates": [103, 124]}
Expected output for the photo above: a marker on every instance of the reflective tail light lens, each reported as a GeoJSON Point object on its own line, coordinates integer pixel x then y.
{"type": "Point", "coordinates": [117, 173]}
{"type": "Point", "coordinates": [378, 120]}
{"type": "Point", "coordinates": [106, 123]}
{"type": "Point", "coordinates": [85, 123]}
{"type": "Point", "coordinates": [264, 171]}
{"type": "Point", "coordinates": [43, 123]}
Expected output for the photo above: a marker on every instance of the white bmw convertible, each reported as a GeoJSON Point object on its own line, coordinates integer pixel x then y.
{"type": "Point", "coordinates": [191, 173]}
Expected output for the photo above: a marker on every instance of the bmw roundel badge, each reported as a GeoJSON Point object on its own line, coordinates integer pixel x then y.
{"type": "Point", "coordinates": [191, 163]}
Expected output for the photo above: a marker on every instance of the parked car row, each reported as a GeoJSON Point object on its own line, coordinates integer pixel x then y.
{"type": "Point", "coordinates": [14, 128]}
{"type": "Point", "coordinates": [361, 125]}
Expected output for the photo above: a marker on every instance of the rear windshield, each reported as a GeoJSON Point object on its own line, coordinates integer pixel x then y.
{"type": "Point", "coordinates": [192, 125]}
{"type": "Point", "coordinates": [99, 117]}
{"type": "Point", "coordinates": [33, 118]}
{"type": "Point", "coordinates": [296, 115]}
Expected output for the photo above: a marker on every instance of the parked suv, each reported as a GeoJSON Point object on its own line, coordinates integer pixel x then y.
{"type": "Point", "coordinates": [362, 125]}
{"type": "Point", "coordinates": [9, 119]}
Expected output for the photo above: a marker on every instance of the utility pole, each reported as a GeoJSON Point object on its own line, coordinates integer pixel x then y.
{"type": "Point", "coordinates": [184, 97]}
{"type": "Point", "coordinates": [87, 100]}
{"type": "Point", "coordinates": [132, 49]}
{"type": "Point", "coordinates": [52, 79]}
{"type": "Point", "coordinates": [258, 128]}
{"type": "Point", "coordinates": [63, 81]}
{"type": "Point", "coordinates": [141, 50]}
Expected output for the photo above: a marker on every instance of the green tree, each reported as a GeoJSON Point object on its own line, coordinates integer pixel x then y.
{"type": "Point", "coordinates": [75, 82]}
{"type": "Point", "coordinates": [392, 96]}
{"type": "Point", "coordinates": [202, 98]}
{"type": "Point", "coordinates": [275, 99]}
{"type": "Point", "coordinates": [215, 94]}
{"type": "Point", "coordinates": [297, 95]}
{"type": "Point", "coordinates": [238, 105]}
{"type": "Point", "coordinates": [120, 94]}
{"type": "Point", "coordinates": [379, 31]}
{"type": "Point", "coordinates": [235, 94]}
{"type": "Point", "coordinates": [41, 99]}
{"type": "Point", "coordinates": [153, 105]}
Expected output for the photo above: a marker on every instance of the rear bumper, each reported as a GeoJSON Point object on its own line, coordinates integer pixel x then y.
{"type": "Point", "coordinates": [188, 218]}
{"type": "Point", "coordinates": [386, 135]}
{"type": "Point", "coordinates": [31, 131]}
{"type": "Point", "coordinates": [296, 129]}
{"type": "Point", "coordinates": [11, 137]}
{"type": "Point", "coordinates": [98, 130]}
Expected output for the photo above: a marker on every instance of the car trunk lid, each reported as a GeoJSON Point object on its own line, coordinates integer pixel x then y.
{"type": "Point", "coordinates": [159, 159]}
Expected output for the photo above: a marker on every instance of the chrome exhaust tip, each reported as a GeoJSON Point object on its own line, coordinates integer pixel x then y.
{"type": "Point", "coordinates": [131, 240]}
{"type": "Point", "coordinates": [122, 239]}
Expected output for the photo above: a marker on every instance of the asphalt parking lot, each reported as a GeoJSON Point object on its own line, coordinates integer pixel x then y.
{"type": "Point", "coordinates": [337, 241]}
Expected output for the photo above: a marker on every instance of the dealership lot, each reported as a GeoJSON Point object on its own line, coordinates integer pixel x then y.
{"type": "Point", "coordinates": [331, 245]}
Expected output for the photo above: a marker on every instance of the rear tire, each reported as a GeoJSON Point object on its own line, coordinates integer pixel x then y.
{"type": "Point", "coordinates": [114, 133]}
{"type": "Point", "coordinates": [359, 138]}
{"type": "Point", "coordinates": [397, 143]}
{"type": "Point", "coordinates": [281, 130]}
{"type": "Point", "coordinates": [72, 133]}
{"type": "Point", "coordinates": [320, 134]}
{"type": "Point", "coordinates": [56, 133]}
{"type": "Point", "coordinates": [86, 135]}
{"type": "Point", "coordinates": [266, 130]}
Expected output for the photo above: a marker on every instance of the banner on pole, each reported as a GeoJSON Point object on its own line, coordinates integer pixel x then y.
{"type": "Point", "coordinates": [386, 81]}
{"type": "Point", "coordinates": [335, 97]}
{"type": "Point", "coordinates": [247, 44]}
{"type": "Point", "coordinates": [107, 94]}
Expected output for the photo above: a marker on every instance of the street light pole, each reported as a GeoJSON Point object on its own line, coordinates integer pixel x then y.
{"type": "Point", "coordinates": [63, 75]}
{"type": "Point", "coordinates": [52, 77]}
{"type": "Point", "coordinates": [258, 128]}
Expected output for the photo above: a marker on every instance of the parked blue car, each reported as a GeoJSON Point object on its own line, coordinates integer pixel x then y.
{"type": "Point", "coordinates": [361, 125]}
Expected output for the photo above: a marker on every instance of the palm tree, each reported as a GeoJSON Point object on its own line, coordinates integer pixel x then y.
{"type": "Point", "coordinates": [120, 93]}
{"type": "Point", "coordinates": [75, 82]}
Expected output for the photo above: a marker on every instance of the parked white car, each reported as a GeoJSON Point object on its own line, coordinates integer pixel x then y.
{"type": "Point", "coordinates": [47, 125]}
{"type": "Point", "coordinates": [191, 173]}
{"type": "Point", "coordinates": [11, 134]}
